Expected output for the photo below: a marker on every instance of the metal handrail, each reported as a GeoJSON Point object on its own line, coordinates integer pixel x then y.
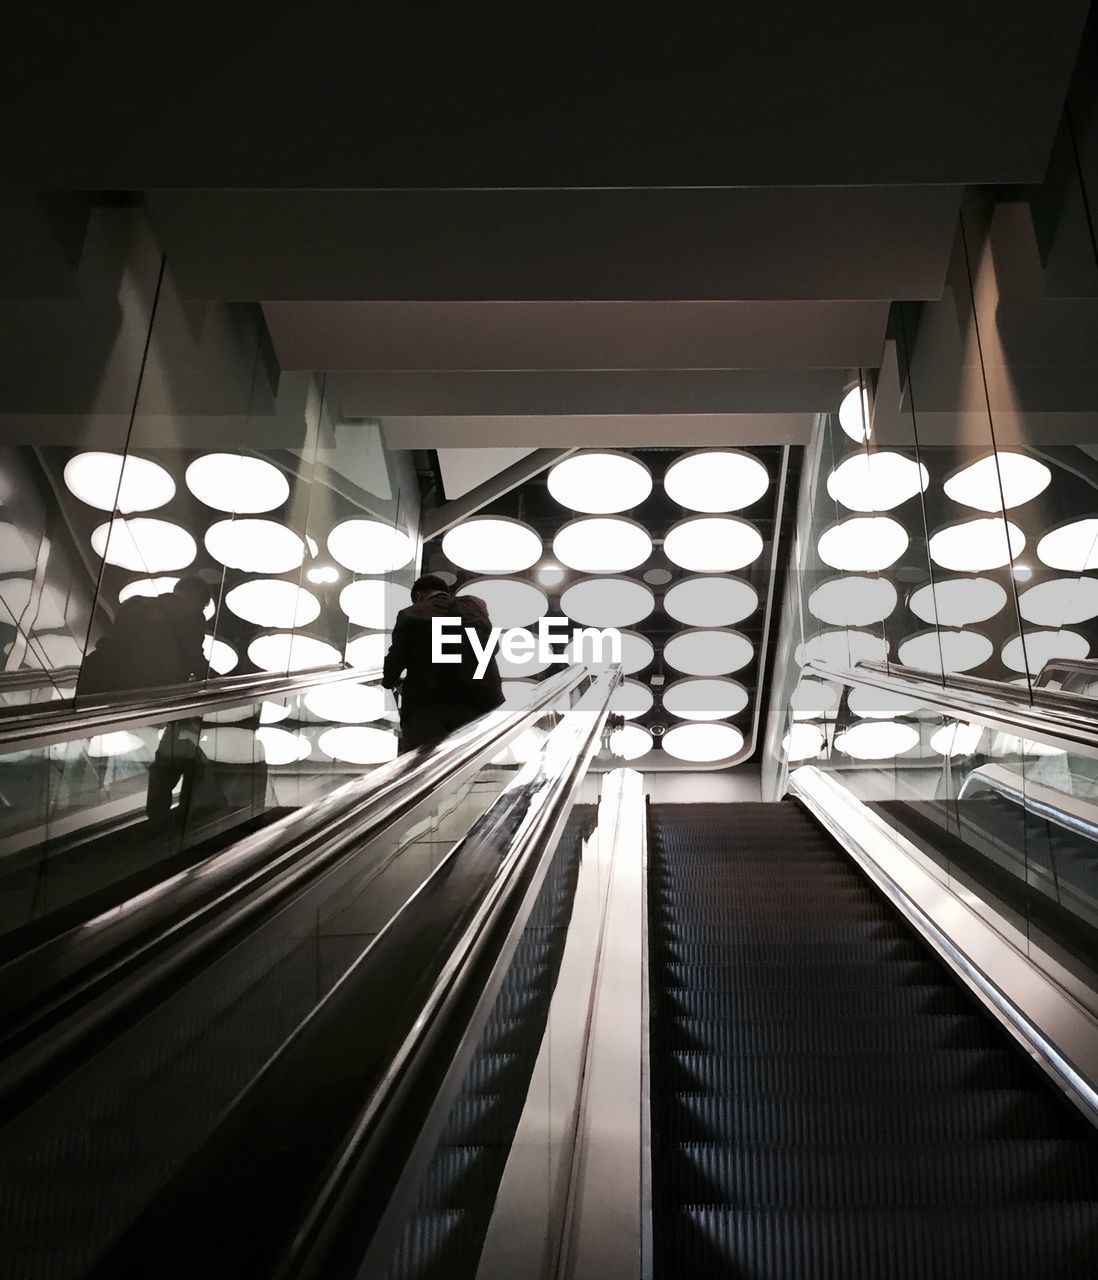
{"type": "Point", "coordinates": [1072, 813]}
{"type": "Point", "coordinates": [300, 1189]}
{"type": "Point", "coordinates": [1070, 666]}
{"type": "Point", "coordinates": [1059, 719]}
{"type": "Point", "coordinates": [23, 728]}
{"type": "Point", "coordinates": [38, 677]}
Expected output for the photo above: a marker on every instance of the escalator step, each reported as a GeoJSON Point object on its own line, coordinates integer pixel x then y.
{"type": "Point", "coordinates": [716, 947]}
{"type": "Point", "coordinates": [783, 1002]}
{"type": "Point", "coordinates": [855, 976]}
{"type": "Point", "coordinates": [434, 1247]}
{"type": "Point", "coordinates": [826, 1035]}
{"type": "Point", "coordinates": [715, 925]}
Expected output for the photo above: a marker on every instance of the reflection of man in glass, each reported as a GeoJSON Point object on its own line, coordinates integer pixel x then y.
{"type": "Point", "coordinates": [437, 699]}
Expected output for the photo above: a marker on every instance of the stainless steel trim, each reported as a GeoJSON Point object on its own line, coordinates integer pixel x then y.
{"type": "Point", "coordinates": [1087, 667]}
{"type": "Point", "coordinates": [37, 678]}
{"type": "Point", "coordinates": [1073, 813]}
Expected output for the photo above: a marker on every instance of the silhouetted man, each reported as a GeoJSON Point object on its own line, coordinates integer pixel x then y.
{"type": "Point", "coordinates": [438, 698]}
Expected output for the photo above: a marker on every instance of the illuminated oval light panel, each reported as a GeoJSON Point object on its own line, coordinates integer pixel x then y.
{"type": "Point", "coordinates": [510, 603]}
{"type": "Point", "coordinates": [1041, 647]}
{"type": "Point", "coordinates": [121, 742]}
{"type": "Point", "coordinates": [704, 652]}
{"type": "Point", "coordinates": [374, 603]}
{"type": "Point", "coordinates": [349, 703]}
{"type": "Point", "coordinates": [705, 698]}
{"type": "Point", "coordinates": [813, 698]}
{"type": "Point", "coordinates": [955, 602]}
{"type": "Point", "coordinates": [492, 544]}
{"type": "Point", "coordinates": [370, 546]}
{"type": "Point", "coordinates": [157, 587]}
{"type": "Point", "coordinates": [602, 544]}
{"type": "Point", "coordinates": [853, 601]}
{"type": "Point", "coordinates": [877, 481]}
{"type": "Point", "coordinates": [1073, 547]}
{"type": "Point", "coordinates": [713, 544]}
{"type": "Point", "coordinates": [974, 545]}
{"type": "Point", "coordinates": [863, 544]}
{"type": "Point", "coordinates": [716, 480]}
{"type": "Point", "coordinates": [1060, 602]}
{"type": "Point", "coordinates": [702, 743]}
{"type": "Point", "coordinates": [353, 744]}
{"type": "Point", "coordinates": [880, 704]}
{"type": "Point", "coordinates": [255, 546]}
{"type": "Point", "coordinates": [600, 482]}
{"type": "Point", "coordinates": [144, 545]}
{"type": "Point", "coordinates": [842, 648]}
{"type": "Point", "coordinates": [989, 487]}
{"type": "Point", "coordinates": [367, 651]}
{"type": "Point", "coordinates": [281, 747]}
{"type": "Point", "coordinates": [854, 414]}
{"type": "Point", "coordinates": [607, 602]}
{"type": "Point", "coordinates": [956, 738]}
{"type": "Point", "coordinates": [803, 742]}
{"type": "Point", "coordinates": [288, 651]}
{"type": "Point", "coordinates": [519, 670]}
{"type": "Point", "coordinates": [943, 650]}
{"type": "Point", "coordinates": [877, 740]}
{"type": "Point", "coordinates": [221, 656]}
{"type": "Point", "coordinates": [273, 712]}
{"type": "Point", "coordinates": [114, 482]}
{"type": "Point", "coordinates": [631, 699]}
{"type": "Point", "coordinates": [270, 602]}
{"type": "Point", "coordinates": [630, 742]}
{"type": "Point", "coordinates": [636, 652]}
{"type": "Point", "coordinates": [236, 482]}
{"type": "Point", "coordinates": [711, 602]}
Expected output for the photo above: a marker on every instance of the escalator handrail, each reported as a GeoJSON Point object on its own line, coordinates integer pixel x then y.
{"type": "Point", "coordinates": [1063, 720]}
{"type": "Point", "coordinates": [1069, 666]}
{"type": "Point", "coordinates": [362, 1086]}
{"type": "Point", "coordinates": [38, 678]}
{"type": "Point", "coordinates": [67, 994]}
{"type": "Point", "coordinates": [1073, 813]}
{"type": "Point", "coordinates": [24, 728]}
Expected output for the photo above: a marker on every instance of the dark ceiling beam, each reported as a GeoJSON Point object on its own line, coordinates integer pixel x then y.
{"type": "Point", "coordinates": [441, 518]}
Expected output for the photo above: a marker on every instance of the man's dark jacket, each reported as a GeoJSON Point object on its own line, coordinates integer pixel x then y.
{"type": "Point", "coordinates": [438, 698]}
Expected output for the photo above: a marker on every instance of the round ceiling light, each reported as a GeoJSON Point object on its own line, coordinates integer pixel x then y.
{"type": "Point", "coordinates": [974, 545]}
{"type": "Point", "coordinates": [281, 747]}
{"type": "Point", "coordinates": [1060, 602]}
{"type": "Point", "coordinates": [657, 577]}
{"type": "Point", "coordinates": [144, 545]}
{"type": "Point", "coordinates": [998, 482]}
{"type": "Point", "coordinates": [367, 652]}
{"type": "Point", "coordinates": [852, 601]}
{"type": "Point", "coordinates": [524, 668]}
{"type": "Point", "coordinates": [602, 544]}
{"type": "Point", "coordinates": [255, 546]}
{"type": "Point", "coordinates": [273, 712]}
{"type": "Point", "coordinates": [716, 480]}
{"type": "Point", "coordinates": [711, 602]}
{"type": "Point", "coordinates": [713, 544]}
{"type": "Point", "coordinates": [876, 481]}
{"type": "Point", "coordinates": [607, 602]}
{"type": "Point", "coordinates": [630, 742]}
{"type": "Point", "coordinates": [854, 414]}
{"type": "Point", "coordinates": [704, 652]}
{"type": "Point", "coordinates": [954, 738]}
{"type": "Point", "coordinates": [271, 602]}
{"type": "Point", "coordinates": [636, 652]}
{"type": "Point", "coordinates": [510, 603]}
{"type": "Point", "coordinates": [842, 648]}
{"type": "Point", "coordinates": [803, 742]}
{"type": "Point", "coordinates": [702, 743]}
{"type": "Point", "coordinates": [374, 603]}
{"type": "Point", "coordinates": [943, 651]}
{"type": "Point", "coordinates": [237, 482]}
{"type": "Point", "coordinates": [370, 546]}
{"type": "Point", "coordinates": [1073, 547]}
{"type": "Point", "coordinates": [877, 740]}
{"type": "Point", "coordinates": [220, 655]}
{"type": "Point", "coordinates": [230, 746]}
{"type": "Point", "coordinates": [152, 587]}
{"type": "Point", "coordinates": [1041, 647]}
{"type": "Point", "coordinates": [705, 698]}
{"type": "Point", "coordinates": [114, 482]}
{"type": "Point", "coordinates": [492, 544]}
{"type": "Point", "coordinates": [813, 698]}
{"type": "Point", "coordinates": [631, 699]}
{"type": "Point", "coordinates": [880, 704]}
{"type": "Point", "coordinates": [119, 743]}
{"type": "Point", "coordinates": [863, 544]}
{"type": "Point", "coordinates": [355, 745]}
{"type": "Point", "coordinates": [289, 651]}
{"type": "Point", "coordinates": [349, 703]}
{"type": "Point", "coordinates": [600, 482]}
{"type": "Point", "coordinates": [955, 602]}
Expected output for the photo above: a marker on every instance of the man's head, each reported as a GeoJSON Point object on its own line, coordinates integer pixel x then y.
{"type": "Point", "coordinates": [194, 590]}
{"type": "Point", "coordinates": [427, 586]}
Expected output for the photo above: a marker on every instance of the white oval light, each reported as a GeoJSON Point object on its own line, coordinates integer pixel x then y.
{"type": "Point", "coordinates": [492, 544]}
{"type": "Point", "coordinates": [877, 740]}
{"type": "Point", "coordinates": [374, 602]}
{"type": "Point", "coordinates": [956, 738]}
{"type": "Point", "coordinates": [270, 602]}
{"type": "Point", "coordinates": [876, 481]}
{"type": "Point", "coordinates": [974, 545]}
{"type": "Point", "coordinates": [607, 602]}
{"type": "Point", "coordinates": [273, 712]}
{"type": "Point", "coordinates": [349, 703]}
{"type": "Point", "coordinates": [863, 544]}
{"type": "Point", "coordinates": [119, 743]}
{"type": "Point", "coordinates": [852, 601]}
{"type": "Point", "coordinates": [518, 669]}
{"type": "Point", "coordinates": [153, 587]}
{"type": "Point", "coordinates": [355, 745]}
{"type": "Point", "coordinates": [702, 743]}
{"type": "Point", "coordinates": [114, 482]}
{"type": "Point", "coordinates": [238, 483]}
{"type": "Point", "coordinates": [255, 546]}
{"type": "Point", "coordinates": [221, 656]}
{"type": "Point", "coordinates": [998, 482]}
{"type": "Point", "coordinates": [290, 651]}
{"type": "Point", "coordinates": [716, 480]}
{"type": "Point", "coordinates": [854, 414]}
{"type": "Point", "coordinates": [144, 545]}
{"type": "Point", "coordinates": [704, 652]}
{"type": "Point", "coordinates": [1073, 546]}
{"type": "Point", "coordinates": [713, 544]}
{"type": "Point", "coordinates": [710, 601]}
{"type": "Point", "coordinates": [510, 603]}
{"type": "Point", "coordinates": [230, 746]}
{"type": "Point", "coordinates": [813, 698]}
{"type": "Point", "coordinates": [369, 546]}
{"type": "Point", "coordinates": [705, 698]}
{"type": "Point", "coordinates": [368, 651]}
{"type": "Point", "coordinates": [602, 544]}
{"type": "Point", "coordinates": [942, 650]}
{"type": "Point", "coordinates": [803, 742]}
{"type": "Point", "coordinates": [1041, 647]}
{"type": "Point", "coordinates": [1060, 602]}
{"type": "Point", "coordinates": [955, 602]}
{"type": "Point", "coordinates": [631, 699]}
{"type": "Point", "coordinates": [280, 746]}
{"type": "Point", "coordinates": [630, 742]}
{"type": "Point", "coordinates": [879, 704]}
{"type": "Point", "coordinates": [842, 648]}
{"type": "Point", "coordinates": [600, 482]}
